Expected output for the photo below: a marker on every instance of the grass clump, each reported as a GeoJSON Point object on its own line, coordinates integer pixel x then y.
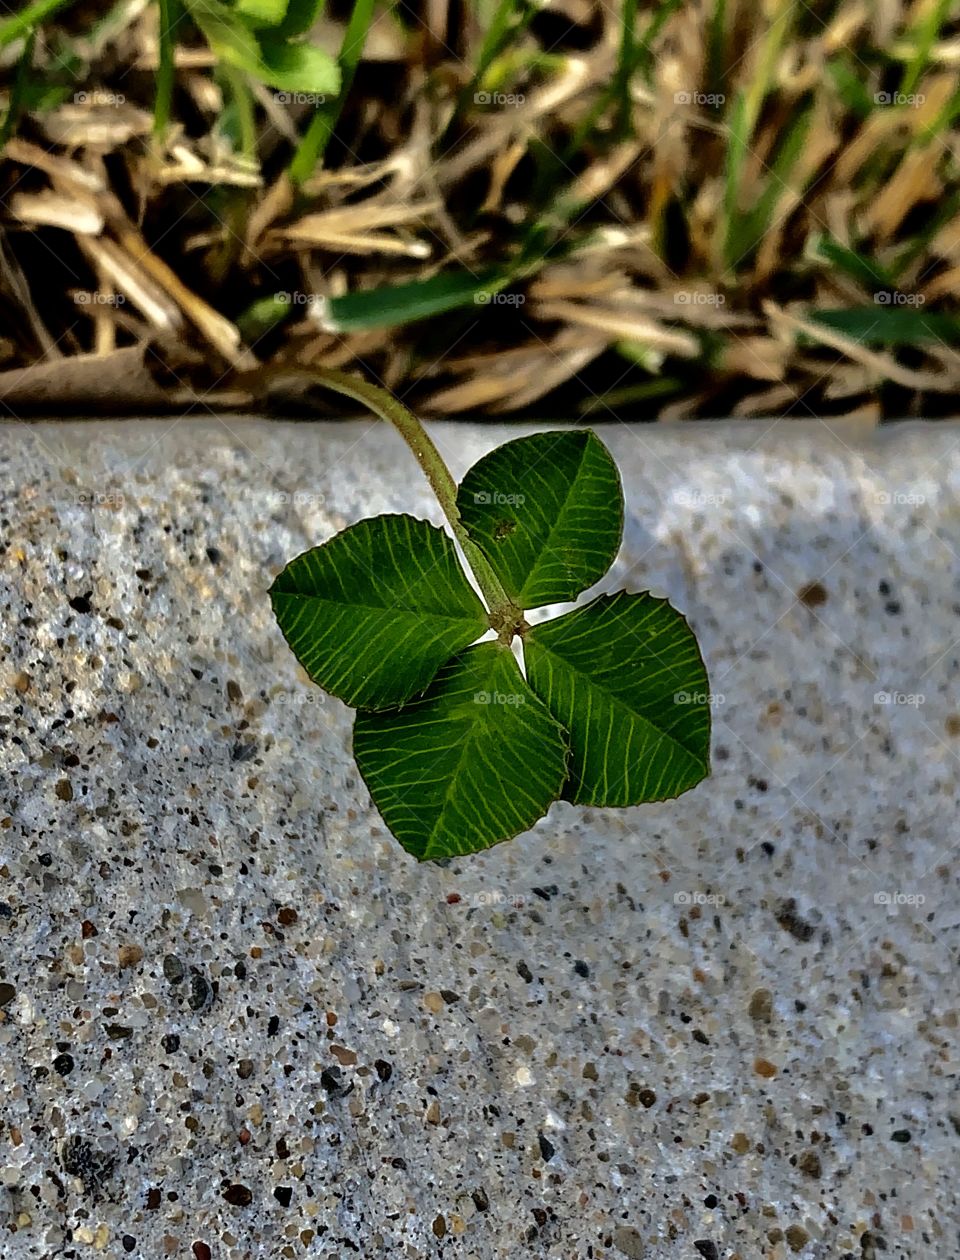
{"type": "Point", "coordinates": [633, 210]}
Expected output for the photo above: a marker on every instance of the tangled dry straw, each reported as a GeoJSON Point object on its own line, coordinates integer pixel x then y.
{"type": "Point", "coordinates": [735, 209]}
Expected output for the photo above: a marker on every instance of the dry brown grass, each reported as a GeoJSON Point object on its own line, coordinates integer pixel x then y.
{"type": "Point", "coordinates": [647, 249]}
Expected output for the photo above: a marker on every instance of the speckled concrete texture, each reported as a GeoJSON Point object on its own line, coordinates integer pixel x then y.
{"type": "Point", "coordinates": [237, 1020]}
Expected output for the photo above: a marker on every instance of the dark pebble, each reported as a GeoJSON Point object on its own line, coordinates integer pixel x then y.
{"type": "Point", "coordinates": [711, 1201]}
{"type": "Point", "coordinates": [814, 594]}
{"type": "Point", "coordinates": [63, 1064]}
{"type": "Point", "coordinates": [119, 1032]}
{"type": "Point", "coordinates": [399, 1163]}
{"type": "Point", "coordinates": [384, 1069]}
{"type": "Point", "coordinates": [707, 1249]}
{"type": "Point", "coordinates": [171, 1043]}
{"type": "Point", "coordinates": [79, 604]}
{"type": "Point", "coordinates": [283, 1195]}
{"type": "Point", "coordinates": [238, 1196]}
{"type": "Point", "coordinates": [647, 1097]}
{"type": "Point", "coordinates": [900, 1135]}
{"type": "Point", "coordinates": [245, 1069]}
{"type": "Point", "coordinates": [201, 1251]}
{"type": "Point", "coordinates": [524, 972]}
{"type": "Point", "coordinates": [77, 1157]}
{"type": "Point", "coordinates": [173, 969]}
{"type": "Point", "coordinates": [7, 993]}
{"type": "Point", "coordinates": [129, 1242]}
{"type": "Point", "coordinates": [547, 1149]}
{"type": "Point", "coordinates": [481, 1200]}
{"type": "Point", "coordinates": [81, 1159]}
{"type": "Point", "coordinates": [45, 859]}
{"type": "Point", "coordinates": [581, 968]}
{"type": "Point", "coordinates": [201, 995]}
{"type": "Point", "coordinates": [809, 1164]}
{"type": "Point", "coordinates": [331, 1079]}
{"type": "Point", "coordinates": [792, 922]}
{"type": "Point", "coordinates": [6, 910]}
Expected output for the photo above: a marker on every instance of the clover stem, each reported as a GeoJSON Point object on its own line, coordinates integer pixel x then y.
{"type": "Point", "coordinates": [382, 403]}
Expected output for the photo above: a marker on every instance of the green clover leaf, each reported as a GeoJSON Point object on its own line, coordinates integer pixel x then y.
{"type": "Point", "coordinates": [475, 760]}
{"type": "Point", "coordinates": [255, 37]}
{"type": "Point", "coordinates": [459, 749]}
{"type": "Point", "coordinates": [625, 677]}
{"type": "Point", "coordinates": [373, 614]}
{"type": "Point", "coordinates": [547, 512]}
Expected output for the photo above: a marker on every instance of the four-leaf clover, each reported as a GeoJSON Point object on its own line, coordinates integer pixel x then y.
{"type": "Point", "coordinates": [459, 746]}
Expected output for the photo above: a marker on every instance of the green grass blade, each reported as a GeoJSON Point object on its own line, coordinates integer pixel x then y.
{"type": "Point", "coordinates": [509, 22]}
{"type": "Point", "coordinates": [169, 13]}
{"type": "Point", "coordinates": [27, 19]}
{"type": "Point", "coordinates": [747, 229]}
{"type": "Point", "coordinates": [18, 92]}
{"type": "Point", "coordinates": [630, 396]}
{"type": "Point", "coordinates": [927, 32]}
{"type": "Point", "coordinates": [394, 304]}
{"type": "Point", "coordinates": [717, 48]}
{"type": "Point", "coordinates": [891, 325]}
{"type": "Point", "coordinates": [314, 143]}
{"type": "Point", "coordinates": [850, 87]}
{"type": "Point", "coordinates": [866, 271]}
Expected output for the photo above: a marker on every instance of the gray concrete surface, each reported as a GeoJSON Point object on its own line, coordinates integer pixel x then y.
{"type": "Point", "coordinates": [237, 1020]}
